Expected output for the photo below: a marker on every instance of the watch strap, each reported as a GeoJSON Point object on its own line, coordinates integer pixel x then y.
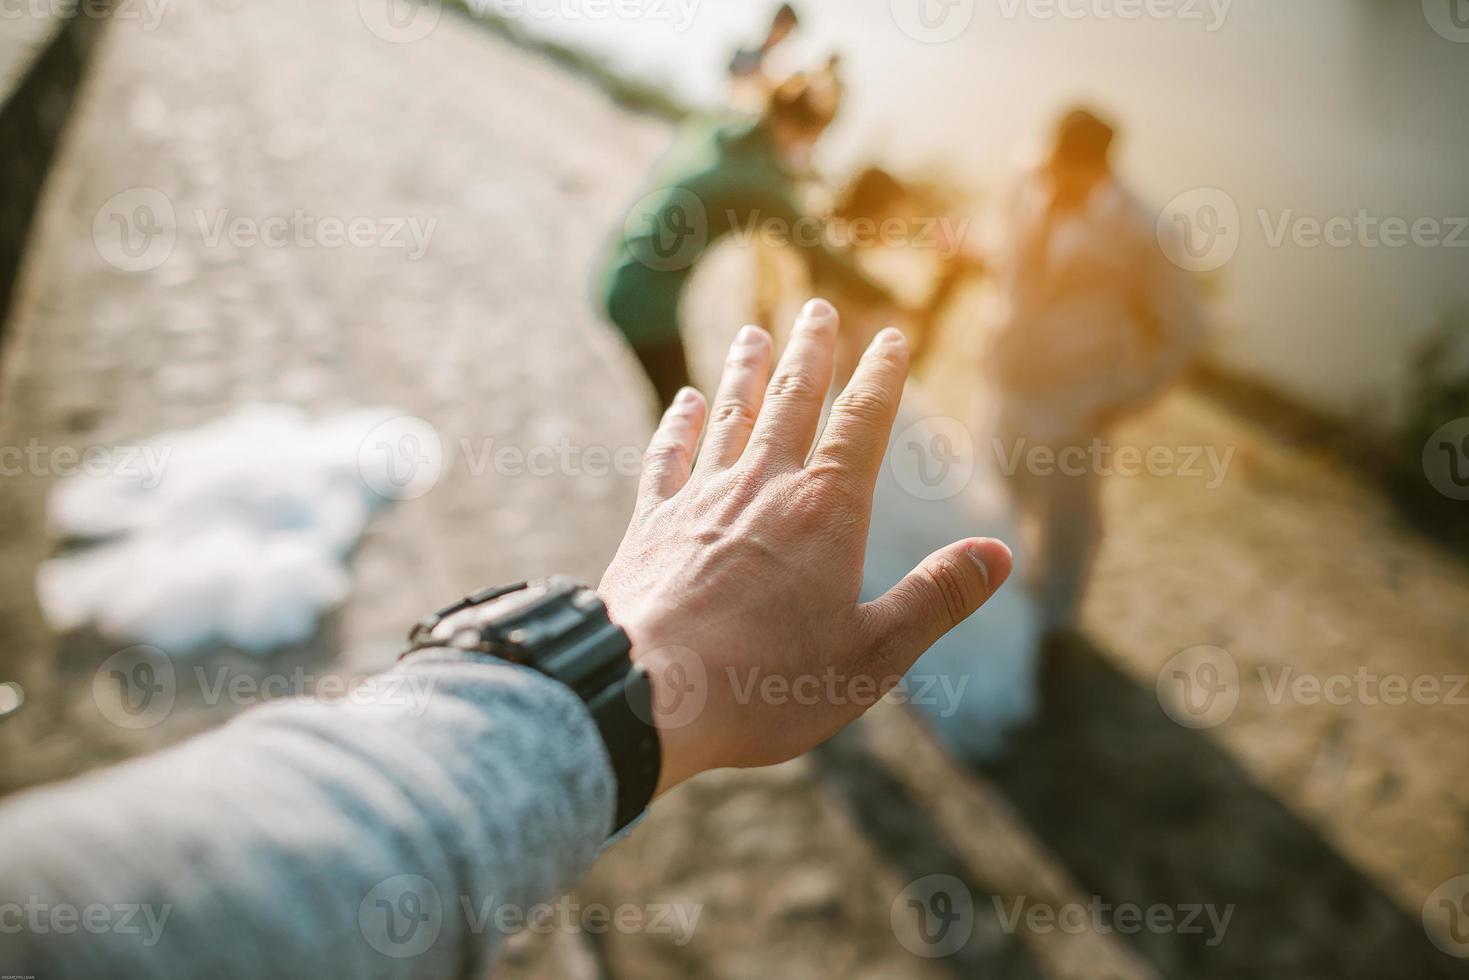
{"type": "Point", "coordinates": [566, 634]}
{"type": "Point", "coordinates": [624, 717]}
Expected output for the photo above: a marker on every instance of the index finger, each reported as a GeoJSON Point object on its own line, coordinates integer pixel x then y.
{"type": "Point", "coordinates": [856, 434]}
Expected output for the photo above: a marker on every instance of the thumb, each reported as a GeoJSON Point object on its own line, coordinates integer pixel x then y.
{"type": "Point", "coordinates": [935, 597]}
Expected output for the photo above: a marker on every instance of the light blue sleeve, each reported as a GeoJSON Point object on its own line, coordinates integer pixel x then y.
{"type": "Point", "coordinates": [400, 838]}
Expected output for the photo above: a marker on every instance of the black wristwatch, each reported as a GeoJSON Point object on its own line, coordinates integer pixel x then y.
{"type": "Point", "coordinates": [561, 629]}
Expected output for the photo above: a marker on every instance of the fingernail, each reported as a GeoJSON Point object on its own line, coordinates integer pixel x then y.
{"type": "Point", "coordinates": [686, 396]}
{"type": "Point", "coordinates": [748, 335]}
{"type": "Point", "coordinates": [984, 571]}
{"type": "Point", "coordinates": [818, 309]}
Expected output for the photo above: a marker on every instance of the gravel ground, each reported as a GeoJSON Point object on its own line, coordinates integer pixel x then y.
{"type": "Point", "coordinates": [1326, 826]}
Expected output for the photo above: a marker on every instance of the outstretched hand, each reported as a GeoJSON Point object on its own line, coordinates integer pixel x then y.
{"type": "Point", "coordinates": [739, 580]}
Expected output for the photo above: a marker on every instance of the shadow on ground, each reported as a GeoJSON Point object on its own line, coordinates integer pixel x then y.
{"type": "Point", "coordinates": [1144, 811]}
{"type": "Point", "coordinates": [882, 806]}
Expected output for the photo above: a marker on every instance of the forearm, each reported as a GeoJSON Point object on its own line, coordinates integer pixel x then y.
{"type": "Point", "coordinates": [285, 843]}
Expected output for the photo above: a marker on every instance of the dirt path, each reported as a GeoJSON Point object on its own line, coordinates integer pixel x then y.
{"type": "Point", "coordinates": [1328, 826]}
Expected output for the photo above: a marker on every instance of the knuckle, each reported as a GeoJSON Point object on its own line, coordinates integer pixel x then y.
{"type": "Point", "coordinates": [675, 428]}
{"type": "Point", "coordinates": [661, 453]}
{"type": "Point", "coordinates": [887, 356]}
{"type": "Point", "coordinates": [824, 509]}
{"type": "Point", "coordinates": [819, 326]}
{"type": "Point", "coordinates": [683, 414]}
{"type": "Point", "coordinates": [744, 483]}
{"type": "Point", "coordinates": [792, 385]}
{"type": "Point", "coordinates": [951, 589]}
{"type": "Point", "coordinates": [817, 497]}
{"type": "Point", "coordinates": [829, 476]}
{"type": "Point", "coordinates": [744, 359]}
{"type": "Point", "coordinates": [735, 413]}
{"type": "Point", "coordinates": [865, 404]}
{"type": "Point", "coordinates": [884, 645]}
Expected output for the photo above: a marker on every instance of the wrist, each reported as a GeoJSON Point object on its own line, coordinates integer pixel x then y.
{"type": "Point", "coordinates": [564, 631]}
{"type": "Point", "coordinates": [679, 691]}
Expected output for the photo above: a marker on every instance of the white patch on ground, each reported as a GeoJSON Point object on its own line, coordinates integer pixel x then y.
{"type": "Point", "coordinates": [978, 683]}
{"type": "Point", "coordinates": [243, 540]}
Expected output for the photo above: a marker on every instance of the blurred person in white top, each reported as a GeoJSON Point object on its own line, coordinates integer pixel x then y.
{"type": "Point", "coordinates": [1097, 324]}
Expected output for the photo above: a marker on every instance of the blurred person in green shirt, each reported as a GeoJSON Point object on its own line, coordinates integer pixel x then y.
{"type": "Point", "coordinates": [721, 176]}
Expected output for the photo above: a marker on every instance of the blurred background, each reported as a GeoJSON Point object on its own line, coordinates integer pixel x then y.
{"type": "Point", "coordinates": [246, 244]}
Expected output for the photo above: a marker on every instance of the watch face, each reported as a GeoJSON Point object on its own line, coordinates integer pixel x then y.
{"type": "Point", "coordinates": [512, 603]}
{"type": "Point", "coordinates": [498, 616]}
{"type": "Point", "coordinates": [489, 612]}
